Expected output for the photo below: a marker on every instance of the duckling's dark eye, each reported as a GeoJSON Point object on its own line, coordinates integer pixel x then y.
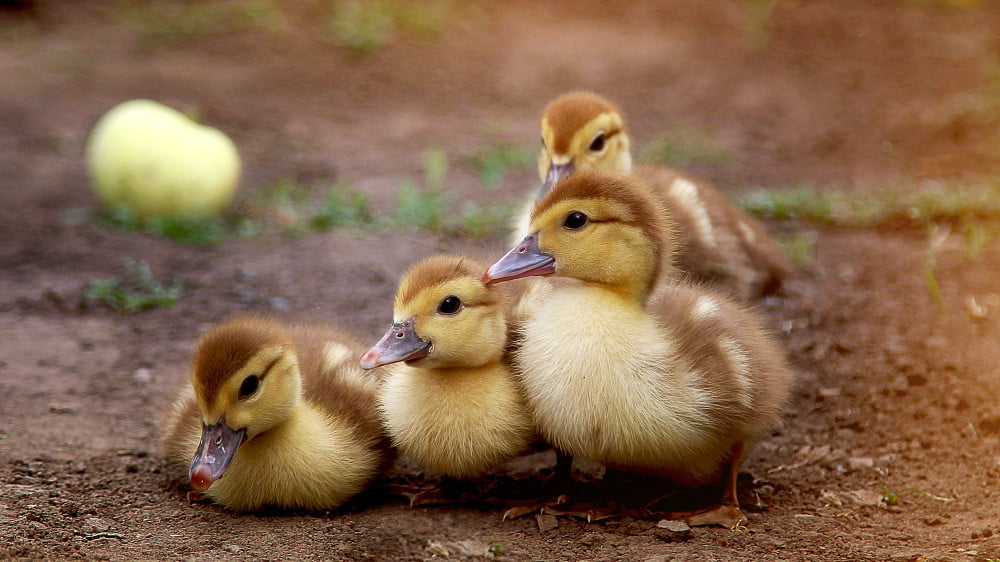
{"type": "Point", "coordinates": [575, 220]}
{"type": "Point", "coordinates": [597, 144]}
{"type": "Point", "coordinates": [450, 305]}
{"type": "Point", "coordinates": [249, 386]}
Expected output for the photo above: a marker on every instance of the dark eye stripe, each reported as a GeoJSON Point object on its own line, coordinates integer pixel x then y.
{"type": "Point", "coordinates": [269, 367]}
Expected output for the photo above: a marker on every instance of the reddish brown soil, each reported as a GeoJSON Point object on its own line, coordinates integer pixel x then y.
{"type": "Point", "coordinates": [852, 94]}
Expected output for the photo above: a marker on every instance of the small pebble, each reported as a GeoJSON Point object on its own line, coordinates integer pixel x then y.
{"type": "Point", "coordinates": [70, 508]}
{"type": "Point", "coordinates": [142, 375]}
{"type": "Point", "coordinates": [828, 392]}
{"type": "Point", "coordinates": [670, 530]}
{"type": "Point", "coordinates": [94, 525]}
{"type": "Point", "coordinates": [61, 409]}
{"type": "Point", "coordinates": [673, 526]}
{"type": "Point", "coordinates": [859, 463]}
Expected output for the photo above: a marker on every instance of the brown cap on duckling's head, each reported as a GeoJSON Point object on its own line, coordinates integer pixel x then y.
{"type": "Point", "coordinates": [646, 210]}
{"type": "Point", "coordinates": [436, 270]}
{"type": "Point", "coordinates": [226, 348]}
{"type": "Point", "coordinates": [568, 113]}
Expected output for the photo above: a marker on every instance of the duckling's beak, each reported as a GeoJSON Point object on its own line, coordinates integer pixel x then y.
{"type": "Point", "coordinates": [215, 452]}
{"type": "Point", "coordinates": [400, 343]}
{"type": "Point", "coordinates": [556, 172]}
{"type": "Point", "coordinates": [523, 260]}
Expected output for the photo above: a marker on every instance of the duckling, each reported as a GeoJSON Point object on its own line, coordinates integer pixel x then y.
{"type": "Point", "coordinates": [453, 405]}
{"type": "Point", "coordinates": [276, 416]}
{"type": "Point", "coordinates": [717, 241]}
{"type": "Point", "coordinates": [676, 382]}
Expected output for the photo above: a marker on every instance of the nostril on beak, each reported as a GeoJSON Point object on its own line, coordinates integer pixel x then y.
{"type": "Point", "coordinates": [368, 359]}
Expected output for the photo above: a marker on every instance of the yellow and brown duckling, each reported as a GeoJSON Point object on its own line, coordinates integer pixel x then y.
{"type": "Point", "coordinates": [676, 382]}
{"type": "Point", "coordinates": [717, 242]}
{"type": "Point", "coordinates": [450, 400]}
{"type": "Point", "coordinates": [276, 416]}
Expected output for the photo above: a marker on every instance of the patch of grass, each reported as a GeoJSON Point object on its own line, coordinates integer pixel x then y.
{"type": "Point", "coordinates": [977, 235]}
{"type": "Point", "coordinates": [429, 207]}
{"type": "Point", "coordinates": [495, 159]}
{"type": "Point", "coordinates": [362, 27]}
{"type": "Point", "coordinates": [800, 247]}
{"type": "Point", "coordinates": [342, 207]}
{"type": "Point", "coordinates": [916, 206]}
{"type": "Point", "coordinates": [488, 222]}
{"type": "Point", "coordinates": [291, 208]}
{"type": "Point", "coordinates": [285, 207]}
{"type": "Point", "coordinates": [681, 151]}
{"type": "Point", "coordinates": [893, 497]}
{"type": "Point", "coordinates": [280, 206]}
{"type": "Point", "coordinates": [186, 230]}
{"type": "Point", "coordinates": [497, 548]}
{"type": "Point", "coordinates": [937, 236]}
{"type": "Point", "coordinates": [801, 204]}
{"type": "Point", "coordinates": [759, 26]}
{"type": "Point", "coordinates": [435, 168]}
{"type": "Point", "coordinates": [420, 207]}
{"type": "Point", "coordinates": [425, 206]}
{"type": "Point", "coordinates": [366, 26]}
{"type": "Point", "coordinates": [171, 23]}
{"type": "Point", "coordinates": [137, 291]}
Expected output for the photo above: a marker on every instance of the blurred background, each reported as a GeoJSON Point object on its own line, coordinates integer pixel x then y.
{"type": "Point", "coordinates": [388, 99]}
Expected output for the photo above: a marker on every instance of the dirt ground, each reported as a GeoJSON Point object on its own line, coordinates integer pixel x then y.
{"type": "Point", "coordinates": [834, 93]}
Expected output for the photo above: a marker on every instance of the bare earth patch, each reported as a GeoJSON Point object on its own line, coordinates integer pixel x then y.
{"type": "Point", "coordinates": [891, 447]}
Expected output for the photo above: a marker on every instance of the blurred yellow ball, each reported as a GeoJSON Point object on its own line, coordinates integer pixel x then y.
{"type": "Point", "coordinates": [157, 162]}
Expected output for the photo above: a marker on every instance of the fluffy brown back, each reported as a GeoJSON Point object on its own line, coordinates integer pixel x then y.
{"type": "Point", "coordinates": [743, 257]}
{"type": "Point", "coordinates": [342, 387]}
{"type": "Point", "coordinates": [703, 341]}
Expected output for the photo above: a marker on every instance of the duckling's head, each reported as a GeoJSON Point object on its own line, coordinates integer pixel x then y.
{"type": "Point", "coordinates": [443, 316]}
{"type": "Point", "coordinates": [599, 227]}
{"type": "Point", "coordinates": [581, 131]}
{"type": "Point", "coordinates": [246, 379]}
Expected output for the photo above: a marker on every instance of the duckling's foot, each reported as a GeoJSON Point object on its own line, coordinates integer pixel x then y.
{"type": "Point", "coordinates": [728, 516]}
{"type": "Point", "coordinates": [593, 512]}
{"type": "Point", "coordinates": [424, 495]}
{"type": "Point", "coordinates": [194, 496]}
{"type": "Point", "coordinates": [537, 507]}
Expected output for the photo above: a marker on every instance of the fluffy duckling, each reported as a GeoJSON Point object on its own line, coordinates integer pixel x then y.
{"type": "Point", "coordinates": [717, 241]}
{"type": "Point", "coordinates": [276, 416]}
{"type": "Point", "coordinates": [675, 382]}
{"type": "Point", "coordinates": [452, 404]}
